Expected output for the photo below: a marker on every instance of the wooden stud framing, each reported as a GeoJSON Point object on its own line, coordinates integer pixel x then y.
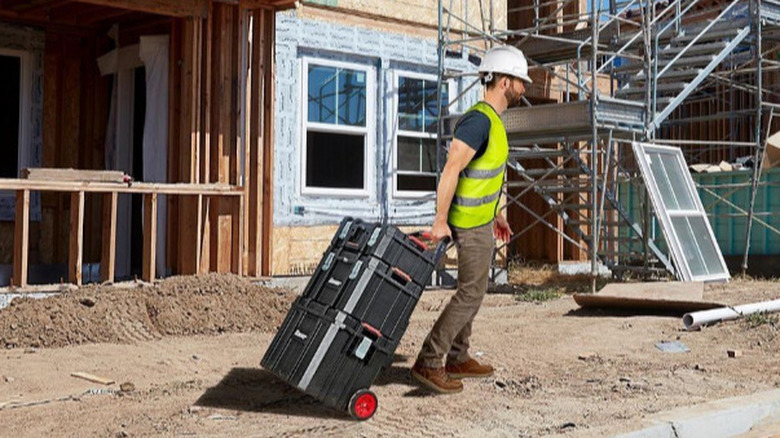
{"type": "Point", "coordinates": [76, 242]}
{"type": "Point", "coordinates": [108, 257]}
{"type": "Point", "coordinates": [190, 144]}
{"type": "Point", "coordinates": [21, 237]}
{"type": "Point", "coordinates": [269, 91]}
{"type": "Point", "coordinates": [150, 237]}
{"type": "Point", "coordinates": [254, 167]}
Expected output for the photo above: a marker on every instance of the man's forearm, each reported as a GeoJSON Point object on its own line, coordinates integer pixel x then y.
{"type": "Point", "coordinates": [445, 192]}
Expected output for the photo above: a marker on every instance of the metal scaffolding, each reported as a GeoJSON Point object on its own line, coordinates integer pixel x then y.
{"type": "Point", "coordinates": [690, 73]}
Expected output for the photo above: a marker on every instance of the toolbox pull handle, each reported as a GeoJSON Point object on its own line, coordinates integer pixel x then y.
{"type": "Point", "coordinates": [441, 249]}
{"type": "Point", "coordinates": [372, 330]}
{"type": "Point", "coordinates": [403, 275]}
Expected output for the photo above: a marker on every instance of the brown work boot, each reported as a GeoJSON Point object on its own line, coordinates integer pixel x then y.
{"type": "Point", "coordinates": [436, 379]}
{"type": "Point", "coordinates": [469, 368]}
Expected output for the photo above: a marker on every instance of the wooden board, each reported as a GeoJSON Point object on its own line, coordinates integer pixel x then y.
{"type": "Point", "coordinates": [76, 242]}
{"type": "Point", "coordinates": [44, 174]}
{"type": "Point", "coordinates": [673, 297]}
{"type": "Point", "coordinates": [108, 257]}
{"type": "Point", "coordinates": [21, 237]}
{"type": "Point", "coordinates": [269, 91]}
{"type": "Point", "coordinates": [150, 237]}
{"type": "Point", "coordinates": [93, 378]}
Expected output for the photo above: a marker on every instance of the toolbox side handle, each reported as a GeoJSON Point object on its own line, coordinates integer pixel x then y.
{"type": "Point", "coordinates": [418, 242]}
{"type": "Point", "coordinates": [372, 330]}
{"type": "Point", "coordinates": [402, 275]}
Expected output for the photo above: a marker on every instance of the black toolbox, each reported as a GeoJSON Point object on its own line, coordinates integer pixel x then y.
{"type": "Point", "coordinates": [343, 330]}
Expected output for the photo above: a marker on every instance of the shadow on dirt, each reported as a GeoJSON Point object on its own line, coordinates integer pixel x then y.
{"type": "Point", "coordinates": [257, 390]}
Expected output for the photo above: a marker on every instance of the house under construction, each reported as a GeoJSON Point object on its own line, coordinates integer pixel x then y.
{"type": "Point", "coordinates": [697, 74]}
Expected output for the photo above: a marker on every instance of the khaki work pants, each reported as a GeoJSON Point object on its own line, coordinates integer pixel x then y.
{"type": "Point", "coordinates": [450, 334]}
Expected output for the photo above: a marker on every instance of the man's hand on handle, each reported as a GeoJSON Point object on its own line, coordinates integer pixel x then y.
{"type": "Point", "coordinates": [501, 229]}
{"type": "Point", "coordinates": [440, 230]}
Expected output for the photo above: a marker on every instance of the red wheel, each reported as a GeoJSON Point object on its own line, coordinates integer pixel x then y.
{"type": "Point", "coordinates": [362, 405]}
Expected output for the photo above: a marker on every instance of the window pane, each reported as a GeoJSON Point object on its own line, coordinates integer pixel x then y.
{"type": "Point", "coordinates": [410, 104]}
{"type": "Point", "coordinates": [409, 154]}
{"type": "Point", "coordinates": [422, 183]}
{"type": "Point", "coordinates": [706, 245]}
{"type": "Point", "coordinates": [352, 98]}
{"type": "Point", "coordinates": [418, 105]}
{"type": "Point", "coordinates": [431, 105]}
{"type": "Point", "coordinates": [335, 160]}
{"type": "Point", "coordinates": [676, 175]}
{"type": "Point", "coordinates": [417, 154]}
{"type": "Point", "coordinates": [337, 96]}
{"type": "Point", "coordinates": [10, 76]}
{"type": "Point", "coordinates": [322, 94]}
{"type": "Point", "coordinates": [662, 179]}
{"type": "Point", "coordinates": [688, 243]}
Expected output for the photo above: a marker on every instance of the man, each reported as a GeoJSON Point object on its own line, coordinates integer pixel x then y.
{"type": "Point", "coordinates": [467, 210]}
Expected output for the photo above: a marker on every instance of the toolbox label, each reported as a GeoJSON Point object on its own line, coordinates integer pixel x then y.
{"type": "Point", "coordinates": [374, 236]}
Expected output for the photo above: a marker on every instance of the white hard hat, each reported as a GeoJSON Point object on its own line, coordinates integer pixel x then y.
{"type": "Point", "coordinates": [508, 60]}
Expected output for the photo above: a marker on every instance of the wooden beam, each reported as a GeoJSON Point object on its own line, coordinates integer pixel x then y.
{"type": "Point", "coordinates": [150, 237]}
{"type": "Point", "coordinates": [253, 166]}
{"type": "Point", "coordinates": [189, 141]}
{"type": "Point", "coordinates": [76, 241]}
{"type": "Point", "coordinates": [269, 91]}
{"type": "Point", "coordinates": [108, 258]}
{"type": "Point", "coordinates": [199, 237]}
{"type": "Point", "coordinates": [101, 16]}
{"type": "Point", "coordinates": [21, 237]}
{"type": "Point", "coordinates": [43, 174]}
{"type": "Point", "coordinates": [103, 187]}
{"type": "Point", "coordinates": [237, 256]}
{"type": "Point", "coordinates": [173, 8]}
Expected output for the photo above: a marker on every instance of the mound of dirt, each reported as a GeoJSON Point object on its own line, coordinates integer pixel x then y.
{"type": "Point", "coordinates": [186, 305]}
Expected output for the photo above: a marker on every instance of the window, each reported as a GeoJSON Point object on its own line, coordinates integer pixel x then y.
{"type": "Point", "coordinates": [679, 210]}
{"type": "Point", "coordinates": [415, 151]}
{"type": "Point", "coordinates": [13, 108]}
{"type": "Point", "coordinates": [338, 128]}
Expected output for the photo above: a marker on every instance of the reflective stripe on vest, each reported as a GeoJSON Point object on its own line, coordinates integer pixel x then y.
{"type": "Point", "coordinates": [479, 184]}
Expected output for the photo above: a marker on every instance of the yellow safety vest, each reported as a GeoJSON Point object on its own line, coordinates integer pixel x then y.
{"type": "Point", "coordinates": [479, 185]}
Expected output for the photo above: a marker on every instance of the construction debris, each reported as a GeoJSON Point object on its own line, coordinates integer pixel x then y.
{"type": "Point", "coordinates": [663, 297]}
{"type": "Point", "coordinates": [772, 154]}
{"type": "Point", "coordinates": [672, 347]}
{"type": "Point", "coordinates": [694, 320]}
{"type": "Point", "coordinates": [93, 378]}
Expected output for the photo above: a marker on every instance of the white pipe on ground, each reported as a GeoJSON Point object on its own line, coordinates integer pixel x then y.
{"type": "Point", "coordinates": [695, 320]}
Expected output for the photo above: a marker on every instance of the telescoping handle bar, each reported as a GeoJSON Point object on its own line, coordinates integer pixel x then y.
{"type": "Point", "coordinates": [419, 236]}
{"type": "Point", "coordinates": [441, 248]}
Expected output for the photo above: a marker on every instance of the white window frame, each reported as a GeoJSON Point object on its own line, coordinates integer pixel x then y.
{"type": "Point", "coordinates": [25, 104]}
{"type": "Point", "coordinates": [369, 131]}
{"type": "Point", "coordinates": [397, 131]}
{"type": "Point", "coordinates": [665, 216]}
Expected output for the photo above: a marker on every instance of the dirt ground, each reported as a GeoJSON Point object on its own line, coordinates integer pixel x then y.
{"type": "Point", "coordinates": [185, 356]}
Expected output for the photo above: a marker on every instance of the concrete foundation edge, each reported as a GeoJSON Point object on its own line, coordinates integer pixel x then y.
{"type": "Point", "coordinates": [723, 418]}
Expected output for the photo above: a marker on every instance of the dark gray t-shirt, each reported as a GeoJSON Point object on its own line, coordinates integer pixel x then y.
{"type": "Point", "coordinates": [474, 129]}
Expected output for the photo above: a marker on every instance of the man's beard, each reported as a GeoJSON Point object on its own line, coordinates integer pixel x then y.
{"type": "Point", "coordinates": [512, 98]}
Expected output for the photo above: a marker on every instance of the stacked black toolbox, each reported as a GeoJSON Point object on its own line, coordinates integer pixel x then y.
{"type": "Point", "coordinates": [343, 330]}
